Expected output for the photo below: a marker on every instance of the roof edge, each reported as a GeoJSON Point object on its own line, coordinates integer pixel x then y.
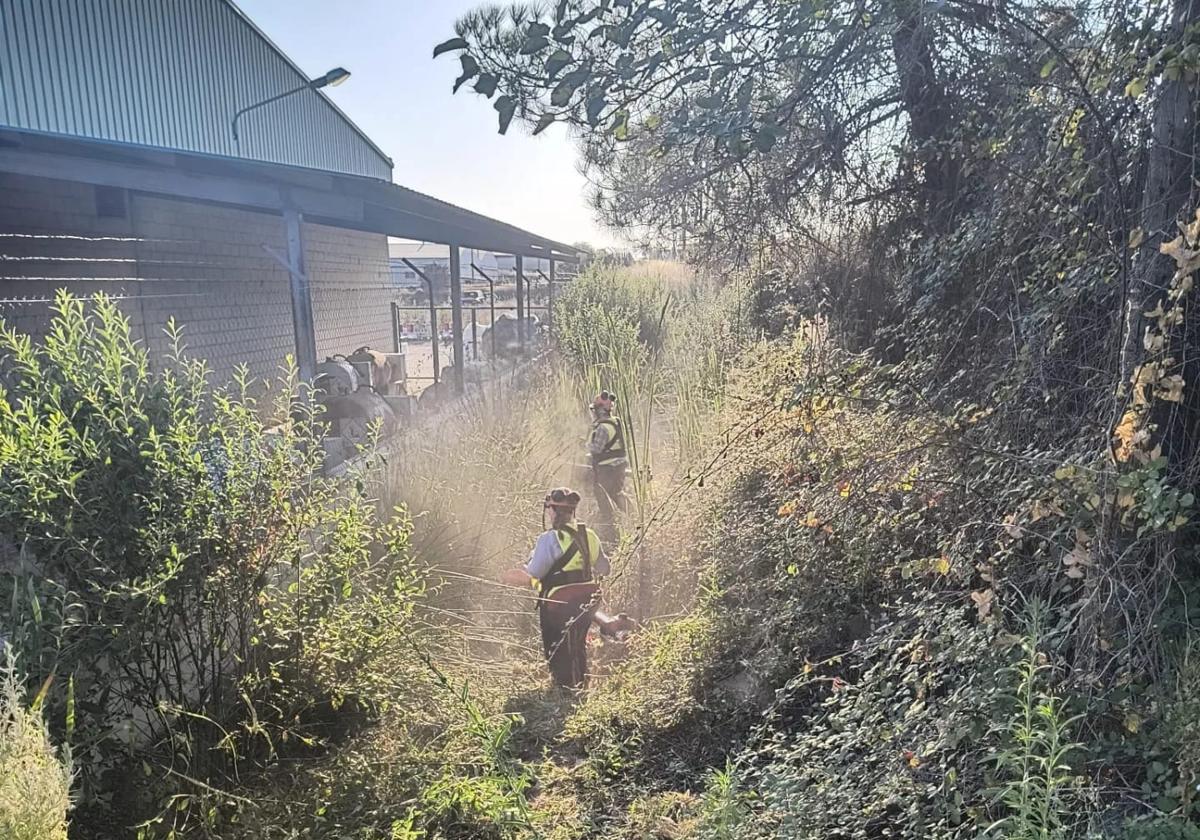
{"type": "Point", "coordinates": [370, 190]}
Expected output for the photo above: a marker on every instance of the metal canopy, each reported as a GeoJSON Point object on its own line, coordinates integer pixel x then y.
{"type": "Point", "coordinates": [346, 201]}
{"type": "Point", "coordinates": [297, 195]}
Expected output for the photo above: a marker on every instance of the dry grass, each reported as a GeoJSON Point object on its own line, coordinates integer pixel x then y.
{"type": "Point", "coordinates": [35, 778]}
{"type": "Point", "coordinates": [474, 481]}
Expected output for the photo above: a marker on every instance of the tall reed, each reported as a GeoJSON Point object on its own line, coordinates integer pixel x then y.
{"type": "Point", "coordinates": [660, 339]}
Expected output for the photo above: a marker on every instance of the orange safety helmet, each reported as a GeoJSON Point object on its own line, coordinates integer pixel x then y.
{"type": "Point", "coordinates": [604, 400]}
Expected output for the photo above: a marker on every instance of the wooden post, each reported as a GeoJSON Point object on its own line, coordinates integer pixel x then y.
{"type": "Point", "coordinates": [456, 317]}
{"type": "Point", "coordinates": [521, 303]}
{"type": "Point", "coordinates": [302, 308]}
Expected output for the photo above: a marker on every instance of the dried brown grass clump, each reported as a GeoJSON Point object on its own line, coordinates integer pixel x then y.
{"type": "Point", "coordinates": [35, 778]}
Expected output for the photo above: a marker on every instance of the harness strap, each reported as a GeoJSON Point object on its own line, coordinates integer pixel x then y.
{"type": "Point", "coordinates": [618, 436]}
{"type": "Point", "coordinates": [563, 559]}
{"type": "Point", "coordinates": [580, 544]}
{"type": "Point", "coordinates": [584, 541]}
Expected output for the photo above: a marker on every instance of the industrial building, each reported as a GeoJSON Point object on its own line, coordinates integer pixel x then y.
{"type": "Point", "coordinates": [170, 155]}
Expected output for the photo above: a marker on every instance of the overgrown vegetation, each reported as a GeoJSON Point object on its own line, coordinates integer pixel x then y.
{"type": "Point", "coordinates": [867, 653]}
{"type": "Point", "coordinates": [919, 563]}
{"type": "Point", "coordinates": [476, 479]}
{"type": "Point", "coordinates": [223, 632]}
{"type": "Point", "coordinates": [661, 339]}
{"type": "Point", "coordinates": [971, 232]}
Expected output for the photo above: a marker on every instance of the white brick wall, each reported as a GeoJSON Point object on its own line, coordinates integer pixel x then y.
{"type": "Point", "coordinates": [203, 264]}
{"type": "Point", "coordinates": [351, 285]}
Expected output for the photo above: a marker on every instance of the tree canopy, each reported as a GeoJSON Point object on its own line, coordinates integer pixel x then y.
{"type": "Point", "coordinates": [733, 120]}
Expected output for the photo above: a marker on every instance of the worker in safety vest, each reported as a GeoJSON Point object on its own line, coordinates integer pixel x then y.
{"type": "Point", "coordinates": [565, 565]}
{"type": "Point", "coordinates": [607, 449]}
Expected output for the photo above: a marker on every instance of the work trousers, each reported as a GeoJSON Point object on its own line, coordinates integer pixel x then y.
{"type": "Point", "coordinates": [565, 618]}
{"type": "Point", "coordinates": [609, 483]}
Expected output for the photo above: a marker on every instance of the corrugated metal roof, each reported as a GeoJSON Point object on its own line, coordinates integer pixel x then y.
{"type": "Point", "coordinates": [168, 74]}
{"type": "Point", "coordinates": [330, 198]}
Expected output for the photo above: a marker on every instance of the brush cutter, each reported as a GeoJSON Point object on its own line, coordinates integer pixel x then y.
{"type": "Point", "coordinates": [572, 598]}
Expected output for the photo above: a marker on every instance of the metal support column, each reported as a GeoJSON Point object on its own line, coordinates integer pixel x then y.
{"type": "Point", "coordinates": [521, 303]}
{"type": "Point", "coordinates": [550, 301]}
{"type": "Point", "coordinates": [302, 308]}
{"type": "Point", "coordinates": [549, 293]}
{"type": "Point", "coordinates": [397, 342]}
{"type": "Point", "coordinates": [456, 317]}
{"type": "Point", "coordinates": [491, 305]}
{"type": "Point", "coordinates": [433, 325]}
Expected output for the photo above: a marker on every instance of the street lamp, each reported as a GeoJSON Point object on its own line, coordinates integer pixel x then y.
{"type": "Point", "coordinates": [331, 79]}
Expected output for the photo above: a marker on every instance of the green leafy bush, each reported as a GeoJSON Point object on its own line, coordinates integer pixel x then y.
{"type": "Point", "coordinates": [1162, 828]}
{"type": "Point", "coordinates": [604, 298]}
{"type": "Point", "coordinates": [886, 739]}
{"type": "Point", "coordinates": [725, 808]}
{"type": "Point", "coordinates": [215, 601]}
{"type": "Point", "coordinates": [482, 793]}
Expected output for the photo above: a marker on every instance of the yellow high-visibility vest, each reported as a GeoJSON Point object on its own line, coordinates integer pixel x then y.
{"type": "Point", "coordinates": [577, 569]}
{"type": "Point", "coordinates": [614, 450]}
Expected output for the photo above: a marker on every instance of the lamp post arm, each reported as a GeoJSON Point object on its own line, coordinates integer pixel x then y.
{"type": "Point", "coordinates": [274, 98]}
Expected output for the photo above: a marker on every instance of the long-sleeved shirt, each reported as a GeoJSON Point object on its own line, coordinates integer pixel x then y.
{"type": "Point", "coordinates": [547, 550]}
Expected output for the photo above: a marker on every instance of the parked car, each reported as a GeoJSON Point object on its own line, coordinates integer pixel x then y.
{"type": "Point", "coordinates": [474, 298]}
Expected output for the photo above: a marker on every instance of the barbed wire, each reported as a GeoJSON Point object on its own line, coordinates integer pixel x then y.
{"type": "Point", "coordinates": [45, 300]}
{"type": "Point", "coordinates": [70, 237]}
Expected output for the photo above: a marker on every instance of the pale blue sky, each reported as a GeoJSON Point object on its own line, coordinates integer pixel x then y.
{"type": "Point", "coordinates": [441, 144]}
